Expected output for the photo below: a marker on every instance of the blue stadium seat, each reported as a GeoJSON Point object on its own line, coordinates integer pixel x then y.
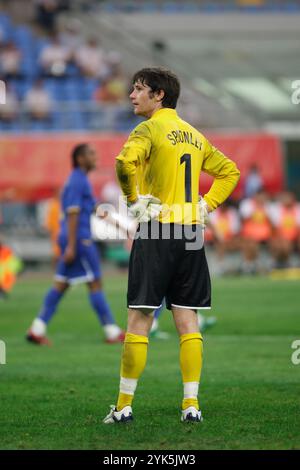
{"type": "Point", "coordinates": [13, 127]}
{"type": "Point", "coordinates": [59, 93]}
{"type": "Point", "coordinates": [189, 7]}
{"type": "Point", "coordinates": [81, 92]}
{"type": "Point", "coordinates": [39, 126]}
{"type": "Point", "coordinates": [72, 90]}
{"type": "Point", "coordinates": [28, 67]}
{"type": "Point", "coordinates": [125, 121]}
{"type": "Point", "coordinates": [21, 86]}
{"type": "Point", "coordinates": [148, 7]}
{"type": "Point", "coordinates": [72, 70]}
{"type": "Point", "coordinates": [5, 20]}
{"type": "Point", "coordinates": [39, 45]}
{"type": "Point", "coordinates": [89, 86]}
{"type": "Point", "coordinates": [170, 7]}
{"type": "Point", "coordinates": [23, 37]}
{"type": "Point", "coordinates": [51, 87]}
{"type": "Point", "coordinates": [290, 7]}
{"type": "Point", "coordinates": [5, 27]}
{"type": "Point", "coordinates": [57, 123]}
{"type": "Point", "coordinates": [77, 121]}
{"type": "Point", "coordinates": [54, 88]}
{"type": "Point", "coordinates": [96, 120]}
{"type": "Point", "coordinates": [109, 7]}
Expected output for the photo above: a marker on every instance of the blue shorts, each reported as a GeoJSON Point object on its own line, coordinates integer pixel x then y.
{"type": "Point", "coordinates": [84, 268]}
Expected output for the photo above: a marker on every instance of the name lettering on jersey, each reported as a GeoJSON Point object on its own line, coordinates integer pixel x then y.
{"type": "Point", "coordinates": [184, 137]}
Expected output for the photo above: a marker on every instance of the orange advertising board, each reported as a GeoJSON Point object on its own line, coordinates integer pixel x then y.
{"type": "Point", "coordinates": [33, 167]}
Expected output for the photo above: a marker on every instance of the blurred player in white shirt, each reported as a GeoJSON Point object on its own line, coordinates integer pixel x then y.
{"type": "Point", "coordinates": [54, 58]}
{"type": "Point", "coordinates": [91, 60]}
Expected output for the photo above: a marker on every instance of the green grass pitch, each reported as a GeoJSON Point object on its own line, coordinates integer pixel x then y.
{"type": "Point", "coordinates": [55, 398]}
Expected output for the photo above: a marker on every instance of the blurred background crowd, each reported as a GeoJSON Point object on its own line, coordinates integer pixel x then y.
{"type": "Point", "coordinates": [57, 74]}
{"type": "Point", "coordinates": [67, 65]}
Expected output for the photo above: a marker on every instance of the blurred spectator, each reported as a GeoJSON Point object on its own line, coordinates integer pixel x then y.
{"type": "Point", "coordinates": [52, 223]}
{"type": "Point", "coordinates": [253, 181]}
{"type": "Point", "coordinates": [113, 89]}
{"type": "Point", "coordinates": [47, 11]}
{"type": "Point", "coordinates": [90, 60]}
{"type": "Point", "coordinates": [256, 229]}
{"type": "Point", "coordinates": [10, 60]}
{"type": "Point", "coordinates": [285, 215]}
{"type": "Point", "coordinates": [225, 225]}
{"type": "Point", "coordinates": [251, 3]}
{"type": "Point", "coordinates": [38, 102]}
{"type": "Point", "coordinates": [9, 110]}
{"type": "Point", "coordinates": [70, 36]}
{"type": "Point", "coordinates": [113, 61]}
{"type": "Point", "coordinates": [10, 265]}
{"type": "Point", "coordinates": [2, 36]}
{"type": "Point", "coordinates": [54, 58]}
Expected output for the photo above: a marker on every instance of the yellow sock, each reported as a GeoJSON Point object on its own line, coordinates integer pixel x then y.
{"type": "Point", "coordinates": [132, 365]}
{"type": "Point", "coordinates": [186, 402]}
{"type": "Point", "coordinates": [191, 350]}
{"type": "Point", "coordinates": [124, 400]}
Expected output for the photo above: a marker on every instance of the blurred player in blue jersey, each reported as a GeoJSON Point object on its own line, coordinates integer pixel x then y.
{"type": "Point", "coordinates": [79, 261]}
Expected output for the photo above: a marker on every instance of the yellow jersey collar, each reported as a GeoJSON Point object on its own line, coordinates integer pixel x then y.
{"type": "Point", "coordinates": [165, 111]}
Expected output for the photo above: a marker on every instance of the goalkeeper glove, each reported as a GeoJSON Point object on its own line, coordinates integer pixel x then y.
{"type": "Point", "coordinates": [203, 211]}
{"type": "Point", "coordinates": [145, 208]}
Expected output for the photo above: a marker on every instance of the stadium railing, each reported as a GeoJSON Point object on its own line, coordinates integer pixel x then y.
{"type": "Point", "coordinates": [74, 115]}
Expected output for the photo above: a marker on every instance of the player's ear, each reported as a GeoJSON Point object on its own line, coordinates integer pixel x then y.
{"type": "Point", "coordinates": [159, 95]}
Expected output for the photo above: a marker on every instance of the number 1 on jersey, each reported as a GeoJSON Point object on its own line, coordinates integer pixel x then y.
{"type": "Point", "coordinates": [186, 158]}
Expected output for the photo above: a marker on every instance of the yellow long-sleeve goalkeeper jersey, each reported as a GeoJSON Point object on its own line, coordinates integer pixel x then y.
{"type": "Point", "coordinates": [164, 156]}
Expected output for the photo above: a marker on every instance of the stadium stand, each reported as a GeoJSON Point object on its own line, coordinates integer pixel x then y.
{"type": "Point", "coordinates": [236, 74]}
{"type": "Point", "coordinates": [26, 57]}
{"type": "Point", "coordinates": [190, 6]}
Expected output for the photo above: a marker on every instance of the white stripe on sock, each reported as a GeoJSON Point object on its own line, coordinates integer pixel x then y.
{"type": "Point", "coordinates": [190, 389]}
{"type": "Point", "coordinates": [128, 386]}
{"type": "Point", "coordinates": [38, 327]}
{"type": "Point", "coordinates": [111, 331]}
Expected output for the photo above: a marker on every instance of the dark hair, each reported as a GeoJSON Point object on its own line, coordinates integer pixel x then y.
{"type": "Point", "coordinates": [79, 150]}
{"type": "Point", "coordinates": [158, 78]}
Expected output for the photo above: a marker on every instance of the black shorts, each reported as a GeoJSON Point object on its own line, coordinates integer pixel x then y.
{"type": "Point", "coordinates": [164, 267]}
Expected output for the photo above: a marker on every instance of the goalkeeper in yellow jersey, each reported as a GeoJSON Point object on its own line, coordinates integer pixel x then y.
{"type": "Point", "coordinates": [158, 170]}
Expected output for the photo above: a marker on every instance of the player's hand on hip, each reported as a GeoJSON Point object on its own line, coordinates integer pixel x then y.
{"type": "Point", "coordinates": [204, 209]}
{"type": "Point", "coordinates": [145, 208]}
{"type": "Point", "coordinates": [69, 254]}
